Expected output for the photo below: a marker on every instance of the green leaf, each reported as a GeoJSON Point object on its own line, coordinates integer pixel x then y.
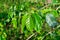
{"type": "Point", "coordinates": [10, 14]}
{"type": "Point", "coordinates": [3, 36]}
{"type": "Point", "coordinates": [54, 1]}
{"type": "Point", "coordinates": [43, 1]}
{"type": "Point", "coordinates": [24, 21]}
{"type": "Point", "coordinates": [46, 10]}
{"type": "Point", "coordinates": [54, 12]}
{"type": "Point", "coordinates": [1, 25]}
{"type": "Point", "coordinates": [29, 23]}
{"type": "Point", "coordinates": [14, 22]}
{"type": "Point", "coordinates": [38, 22]}
{"type": "Point", "coordinates": [32, 25]}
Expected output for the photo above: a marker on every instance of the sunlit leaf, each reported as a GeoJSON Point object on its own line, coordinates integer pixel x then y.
{"type": "Point", "coordinates": [3, 36]}
{"type": "Point", "coordinates": [29, 23]}
{"type": "Point", "coordinates": [1, 25]}
{"type": "Point", "coordinates": [24, 21]}
{"type": "Point", "coordinates": [46, 10]}
{"type": "Point", "coordinates": [14, 22]}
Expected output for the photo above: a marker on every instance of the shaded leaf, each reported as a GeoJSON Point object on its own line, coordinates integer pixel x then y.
{"type": "Point", "coordinates": [37, 22]}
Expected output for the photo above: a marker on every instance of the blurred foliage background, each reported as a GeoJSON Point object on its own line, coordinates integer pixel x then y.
{"type": "Point", "coordinates": [29, 19]}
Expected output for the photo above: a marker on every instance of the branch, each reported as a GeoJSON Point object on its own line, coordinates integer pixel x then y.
{"type": "Point", "coordinates": [50, 32]}
{"type": "Point", "coordinates": [50, 5]}
{"type": "Point", "coordinates": [57, 8]}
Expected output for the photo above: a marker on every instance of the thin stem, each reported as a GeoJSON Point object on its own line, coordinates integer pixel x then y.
{"type": "Point", "coordinates": [31, 36]}
{"type": "Point", "coordinates": [50, 32]}
{"type": "Point", "coordinates": [50, 5]}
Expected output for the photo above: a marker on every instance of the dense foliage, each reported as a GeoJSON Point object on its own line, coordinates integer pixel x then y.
{"type": "Point", "coordinates": [29, 19]}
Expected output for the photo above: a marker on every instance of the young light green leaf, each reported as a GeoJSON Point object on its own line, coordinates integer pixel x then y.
{"type": "Point", "coordinates": [24, 21]}
{"type": "Point", "coordinates": [14, 22]}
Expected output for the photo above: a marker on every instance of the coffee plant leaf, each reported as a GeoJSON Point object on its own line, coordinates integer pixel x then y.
{"type": "Point", "coordinates": [24, 21]}
{"type": "Point", "coordinates": [38, 23]}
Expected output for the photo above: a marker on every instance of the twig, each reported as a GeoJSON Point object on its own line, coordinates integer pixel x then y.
{"type": "Point", "coordinates": [46, 35]}
{"type": "Point", "coordinates": [49, 5]}
{"type": "Point", "coordinates": [31, 36]}
{"type": "Point", "coordinates": [49, 32]}
{"type": "Point", "coordinates": [57, 8]}
{"type": "Point", "coordinates": [44, 7]}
